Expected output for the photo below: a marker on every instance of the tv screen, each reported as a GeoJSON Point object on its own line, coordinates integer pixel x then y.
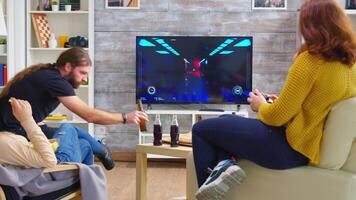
{"type": "Point", "coordinates": [206, 70]}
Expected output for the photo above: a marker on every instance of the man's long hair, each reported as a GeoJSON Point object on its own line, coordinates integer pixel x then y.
{"type": "Point", "coordinates": [75, 56]}
{"type": "Point", "coordinates": [327, 31]}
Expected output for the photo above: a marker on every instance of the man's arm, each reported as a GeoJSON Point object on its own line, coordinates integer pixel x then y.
{"type": "Point", "coordinates": [97, 116]}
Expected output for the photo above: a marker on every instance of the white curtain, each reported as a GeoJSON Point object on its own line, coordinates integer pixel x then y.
{"type": "Point", "coordinates": [3, 31]}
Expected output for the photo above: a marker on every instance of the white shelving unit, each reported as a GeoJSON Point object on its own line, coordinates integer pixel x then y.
{"type": "Point", "coordinates": [8, 57]}
{"type": "Point", "coordinates": [50, 49]}
{"type": "Point", "coordinates": [73, 23]}
{"type": "Point", "coordinates": [147, 137]}
{"type": "Point", "coordinates": [3, 55]}
{"type": "Point", "coordinates": [61, 12]}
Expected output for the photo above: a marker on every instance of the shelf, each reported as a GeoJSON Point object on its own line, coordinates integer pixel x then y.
{"type": "Point", "coordinates": [65, 121]}
{"type": "Point", "coordinates": [147, 136]}
{"type": "Point", "coordinates": [50, 49]}
{"type": "Point", "coordinates": [72, 23]}
{"type": "Point", "coordinates": [60, 12]}
{"type": "Point", "coordinates": [3, 54]}
{"type": "Point", "coordinates": [350, 12]}
{"type": "Point", "coordinates": [151, 134]}
{"type": "Point", "coordinates": [194, 112]}
{"type": "Point", "coordinates": [155, 156]}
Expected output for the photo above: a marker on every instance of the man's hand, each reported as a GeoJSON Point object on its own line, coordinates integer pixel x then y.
{"type": "Point", "coordinates": [21, 109]}
{"type": "Point", "coordinates": [136, 116]}
{"type": "Point", "coordinates": [255, 99]}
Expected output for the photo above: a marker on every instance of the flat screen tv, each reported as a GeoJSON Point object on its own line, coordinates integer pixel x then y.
{"type": "Point", "coordinates": [198, 70]}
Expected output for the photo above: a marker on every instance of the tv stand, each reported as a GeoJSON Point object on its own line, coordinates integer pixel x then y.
{"type": "Point", "coordinates": [195, 115]}
{"type": "Point", "coordinates": [211, 110]}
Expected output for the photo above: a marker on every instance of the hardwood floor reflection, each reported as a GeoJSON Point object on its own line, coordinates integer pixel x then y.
{"type": "Point", "coordinates": [165, 180]}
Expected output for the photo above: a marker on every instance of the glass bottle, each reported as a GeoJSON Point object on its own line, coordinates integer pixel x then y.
{"type": "Point", "coordinates": [142, 123]}
{"type": "Point", "coordinates": [157, 131]}
{"type": "Point", "coordinates": [174, 132]}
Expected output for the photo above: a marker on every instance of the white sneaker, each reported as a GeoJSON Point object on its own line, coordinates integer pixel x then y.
{"type": "Point", "coordinates": [225, 175]}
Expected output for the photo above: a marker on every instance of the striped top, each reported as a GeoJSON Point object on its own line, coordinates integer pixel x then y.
{"type": "Point", "coordinates": [312, 87]}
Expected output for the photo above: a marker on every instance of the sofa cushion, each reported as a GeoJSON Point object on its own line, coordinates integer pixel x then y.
{"type": "Point", "coordinates": [350, 164]}
{"type": "Point", "coordinates": [339, 134]}
{"type": "Point", "coordinates": [301, 183]}
{"type": "Point", "coordinates": [306, 183]}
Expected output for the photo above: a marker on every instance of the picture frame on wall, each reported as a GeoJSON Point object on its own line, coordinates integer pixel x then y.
{"type": "Point", "coordinates": [350, 4]}
{"type": "Point", "coordinates": [269, 4]}
{"type": "Point", "coordinates": [122, 4]}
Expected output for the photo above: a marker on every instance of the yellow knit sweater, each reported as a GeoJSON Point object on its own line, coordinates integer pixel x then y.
{"type": "Point", "coordinates": [312, 87]}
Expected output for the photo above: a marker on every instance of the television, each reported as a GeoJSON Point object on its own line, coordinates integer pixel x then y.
{"type": "Point", "coordinates": [195, 70]}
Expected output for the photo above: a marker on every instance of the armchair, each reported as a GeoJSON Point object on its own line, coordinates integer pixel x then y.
{"type": "Point", "coordinates": [334, 178]}
{"type": "Point", "coordinates": [58, 168]}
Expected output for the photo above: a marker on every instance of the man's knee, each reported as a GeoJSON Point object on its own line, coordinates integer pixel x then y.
{"type": "Point", "coordinates": [67, 127]}
{"type": "Point", "coordinates": [85, 145]}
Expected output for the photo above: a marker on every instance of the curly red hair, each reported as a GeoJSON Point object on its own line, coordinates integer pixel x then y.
{"type": "Point", "coordinates": [327, 31]}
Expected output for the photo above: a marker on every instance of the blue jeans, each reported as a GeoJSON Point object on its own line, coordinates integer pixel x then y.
{"type": "Point", "coordinates": [221, 138]}
{"type": "Point", "coordinates": [76, 145]}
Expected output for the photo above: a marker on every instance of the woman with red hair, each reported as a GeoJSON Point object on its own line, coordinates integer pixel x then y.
{"type": "Point", "coordinates": [288, 131]}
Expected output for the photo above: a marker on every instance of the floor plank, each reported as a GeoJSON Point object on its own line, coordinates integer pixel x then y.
{"type": "Point", "coordinates": [165, 180]}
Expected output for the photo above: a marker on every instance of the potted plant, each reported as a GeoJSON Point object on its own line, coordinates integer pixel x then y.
{"type": "Point", "coordinates": [55, 6]}
{"type": "Point", "coordinates": [3, 45]}
{"type": "Point", "coordinates": [68, 5]}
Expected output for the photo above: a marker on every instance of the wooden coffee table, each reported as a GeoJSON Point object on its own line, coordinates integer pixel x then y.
{"type": "Point", "coordinates": [141, 164]}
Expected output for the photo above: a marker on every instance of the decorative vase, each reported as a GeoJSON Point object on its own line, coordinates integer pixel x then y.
{"type": "Point", "coordinates": [68, 8]}
{"type": "Point", "coordinates": [2, 48]}
{"type": "Point", "coordinates": [40, 5]}
{"type": "Point", "coordinates": [55, 8]}
{"type": "Point", "coordinates": [52, 43]}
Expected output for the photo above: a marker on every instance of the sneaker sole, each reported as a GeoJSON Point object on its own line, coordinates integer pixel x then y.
{"type": "Point", "coordinates": [216, 190]}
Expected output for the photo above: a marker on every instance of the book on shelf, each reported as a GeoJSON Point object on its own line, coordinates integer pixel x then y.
{"type": "Point", "coordinates": [56, 117]}
{"type": "Point", "coordinates": [3, 74]}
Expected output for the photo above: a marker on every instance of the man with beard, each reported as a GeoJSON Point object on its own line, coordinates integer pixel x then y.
{"type": "Point", "coordinates": [44, 86]}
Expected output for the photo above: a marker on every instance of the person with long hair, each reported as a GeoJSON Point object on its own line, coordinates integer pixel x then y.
{"type": "Point", "coordinates": [288, 131]}
{"type": "Point", "coordinates": [44, 86]}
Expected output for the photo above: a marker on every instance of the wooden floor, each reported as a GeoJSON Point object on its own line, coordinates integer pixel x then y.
{"type": "Point", "coordinates": [165, 180]}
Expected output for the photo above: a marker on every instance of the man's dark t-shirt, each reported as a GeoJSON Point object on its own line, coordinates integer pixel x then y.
{"type": "Point", "coordinates": [41, 89]}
